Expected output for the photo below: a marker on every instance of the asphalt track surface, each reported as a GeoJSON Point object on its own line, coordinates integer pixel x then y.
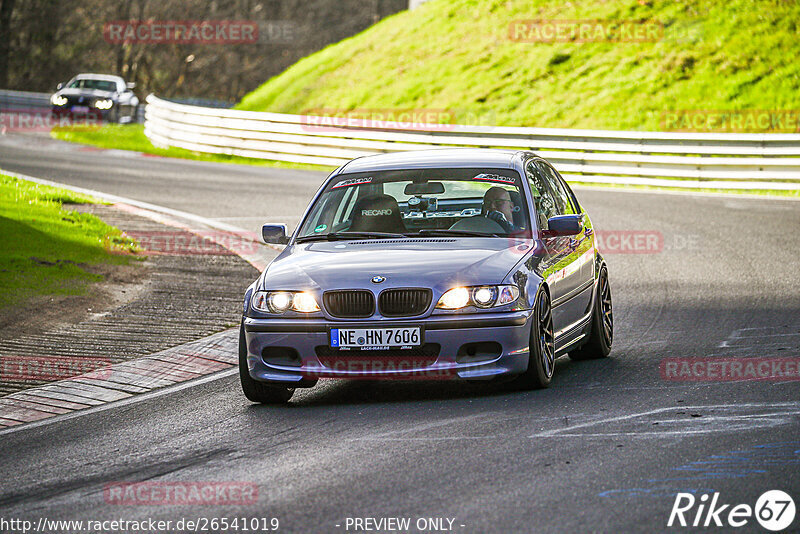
{"type": "Point", "coordinates": [604, 449]}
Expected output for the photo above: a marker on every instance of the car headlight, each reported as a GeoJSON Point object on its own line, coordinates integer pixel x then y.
{"type": "Point", "coordinates": [484, 297]}
{"type": "Point", "coordinates": [58, 100]}
{"type": "Point", "coordinates": [478, 296]}
{"type": "Point", "coordinates": [283, 301]}
{"type": "Point", "coordinates": [305, 303]}
{"type": "Point", "coordinates": [455, 298]}
{"type": "Point", "coordinates": [104, 104]}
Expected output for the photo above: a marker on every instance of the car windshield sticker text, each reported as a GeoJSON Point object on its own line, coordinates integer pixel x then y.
{"type": "Point", "coordinates": [353, 181]}
{"type": "Point", "coordinates": [495, 178]}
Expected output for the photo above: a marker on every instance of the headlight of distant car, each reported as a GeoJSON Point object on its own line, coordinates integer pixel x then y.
{"type": "Point", "coordinates": [58, 100]}
{"type": "Point", "coordinates": [478, 296]}
{"type": "Point", "coordinates": [104, 104]}
{"type": "Point", "coordinates": [283, 301]}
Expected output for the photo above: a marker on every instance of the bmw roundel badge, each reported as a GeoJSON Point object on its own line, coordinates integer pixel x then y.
{"type": "Point", "coordinates": [378, 279]}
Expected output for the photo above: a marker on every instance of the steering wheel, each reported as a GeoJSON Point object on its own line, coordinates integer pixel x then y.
{"type": "Point", "coordinates": [479, 223]}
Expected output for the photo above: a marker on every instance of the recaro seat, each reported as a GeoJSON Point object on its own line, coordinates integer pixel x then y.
{"type": "Point", "coordinates": [377, 213]}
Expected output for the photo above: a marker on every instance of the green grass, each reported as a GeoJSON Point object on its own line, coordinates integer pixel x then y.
{"type": "Point", "coordinates": [131, 137]}
{"type": "Point", "coordinates": [46, 249]}
{"type": "Point", "coordinates": [457, 55]}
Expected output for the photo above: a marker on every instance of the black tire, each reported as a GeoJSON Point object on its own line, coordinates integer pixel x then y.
{"type": "Point", "coordinates": [601, 335]}
{"type": "Point", "coordinates": [254, 390]}
{"type": "Point", "coordinates": [541, 362]}
{"type": "Point", "coordinates": [113, 115]}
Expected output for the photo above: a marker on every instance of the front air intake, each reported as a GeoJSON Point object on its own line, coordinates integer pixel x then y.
{"type": "Point", "coordinates": [404, 302]}
{"type": "Point", "coordinates": [349, 304]}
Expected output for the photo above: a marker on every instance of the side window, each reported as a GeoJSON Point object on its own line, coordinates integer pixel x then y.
{"type": "Point", "coordinates": [562, 198]}
{"type": "Point", "coordinates": [543, 200]}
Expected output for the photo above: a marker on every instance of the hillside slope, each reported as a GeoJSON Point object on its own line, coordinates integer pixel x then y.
{"type": "Point", "coordinates": [459, 55]}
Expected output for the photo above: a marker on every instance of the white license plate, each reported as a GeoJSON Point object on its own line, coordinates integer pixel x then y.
{"type": "Point", "coordinates": [80, 109]}
{"type": "Point", "coordinates": [386, 337]}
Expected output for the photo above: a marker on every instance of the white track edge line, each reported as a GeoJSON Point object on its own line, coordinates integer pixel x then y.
{"type": "Point", "coordinates": [124, 200]}
{"type": "Point", "coordinates": [143, 205]}
{"type": "Point", "coordinates": [138, 397]}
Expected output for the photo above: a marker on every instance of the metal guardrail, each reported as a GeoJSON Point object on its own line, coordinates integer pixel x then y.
{"type": "Point", "coordinates": [23, 100]}
{"type": "Point", "coordinates": [699, 160]}
{"type": "Point", "coordinates": [30, 101]}
{"type": "Point", "coordinates": [205, 102]}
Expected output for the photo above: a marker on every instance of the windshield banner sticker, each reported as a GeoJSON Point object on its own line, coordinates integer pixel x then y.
{"type": "Point", "coordinates": [495, 178]}
{"type": "Point", "coordinates": [352, 181]}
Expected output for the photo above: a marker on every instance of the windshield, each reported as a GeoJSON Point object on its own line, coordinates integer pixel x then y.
{"type": "Point", "coordinates": [458, 202]}
{"type": "Point", "coordinates": [88, 83]}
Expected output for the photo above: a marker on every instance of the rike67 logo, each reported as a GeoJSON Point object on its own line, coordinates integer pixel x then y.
{"type": "Point", "coordinates": [774, 510]}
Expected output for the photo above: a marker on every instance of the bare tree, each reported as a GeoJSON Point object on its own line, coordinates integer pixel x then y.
{"type": "Point", "coordinates": [49, 43]}
{"type": "Point", "coordinates": [6, 9]}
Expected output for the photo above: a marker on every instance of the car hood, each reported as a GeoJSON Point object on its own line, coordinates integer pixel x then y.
{"type": "Point", "coordinates": [428, 262]}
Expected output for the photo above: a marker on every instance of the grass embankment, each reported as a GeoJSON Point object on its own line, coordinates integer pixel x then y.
{"type": "Point", "coordinates": [46, 249]}
{"type": "Point", "coordinates": [459, 55]}
{"type": "Point", "coordinates": [131, 137]}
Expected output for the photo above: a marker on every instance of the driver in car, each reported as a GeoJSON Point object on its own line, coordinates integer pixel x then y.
{"type": "Point", "coordinates": [498, 206]}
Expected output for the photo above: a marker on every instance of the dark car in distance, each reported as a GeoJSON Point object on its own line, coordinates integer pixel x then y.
{"type": "Point", "coordinates": [469, 264]}
{"type": "Point", "coordinates": [101, 96]}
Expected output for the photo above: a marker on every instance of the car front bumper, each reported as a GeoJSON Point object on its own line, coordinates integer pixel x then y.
{"type": "Point", "coordinates": [296, 351]}
{"type": "Point", "coordinates": [91, 113]}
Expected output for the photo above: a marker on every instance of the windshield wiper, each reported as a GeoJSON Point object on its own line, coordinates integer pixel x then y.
{"type": "Point", "coordinates": [446, 232]}
{"type": "Point", "coordinates": [336, 236]}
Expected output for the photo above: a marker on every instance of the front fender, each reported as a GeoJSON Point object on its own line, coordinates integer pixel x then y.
{"type": "Point", "coordinates": [248, 294]}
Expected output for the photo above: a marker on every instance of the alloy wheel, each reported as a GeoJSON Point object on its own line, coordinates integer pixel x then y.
{"type": "Point", "coordinates": [546, 342]}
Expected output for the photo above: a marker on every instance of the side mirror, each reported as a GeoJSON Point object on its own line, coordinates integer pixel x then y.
{"type": "Point", "coordinates": [564, 225]}
{"type": "Point", "coordinates": [274, 234]}
{"type": "Point", "coordinates": [59, 86]}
